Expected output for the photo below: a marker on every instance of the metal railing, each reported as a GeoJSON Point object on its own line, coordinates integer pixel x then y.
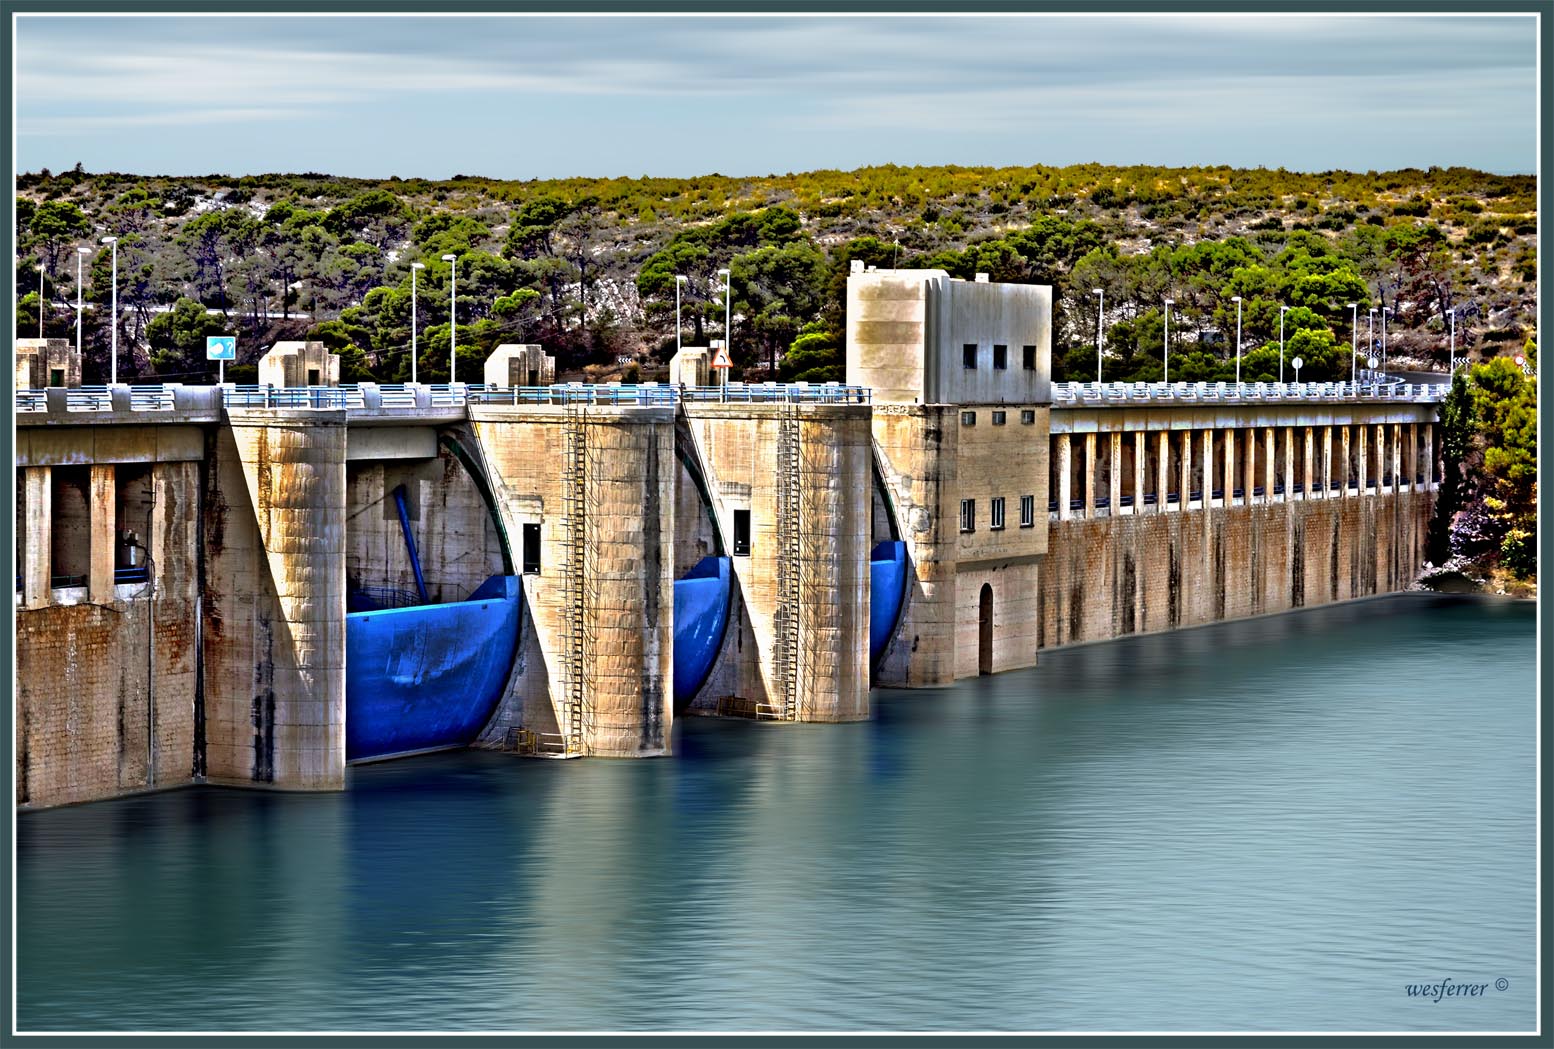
{"type": "Point", "coordinates": [1089, 394]}
{"type": "Point", "coordinates": [407, 397]}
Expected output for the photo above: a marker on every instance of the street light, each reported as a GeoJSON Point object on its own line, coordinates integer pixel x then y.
{"type": "Point", "coordinates": [453, 313]}
{"type": "Point", "coordinates": [414, 267]}
{"type": "Point", "coordinates": [1370, 337]}
{"type": "Point", "coordinates": [1384, 311]}
{"type": "Point", "coordinates": [1282, 311]}
{"type": "Point", "coordinates": [1452, 371]}
{"type": "Point", "coordinates": [113, 368]}
{"type": "Point", "coordinates": [1237, 300]}
{"type": "Point", "coordinates": [1100, 315]}
{"type": "Point", "coordinates": [728, 313]}
{"type": "Point", "coordinates": [81, 253]}
{"type": "Point", "coordinates": [1354, 343]}
{"type": "Point", "coordinates": [678, 280]}
{"type": "Point", "coordinates": [1165, 355]}
{"type": "Point", "coordinates": [40, 300]}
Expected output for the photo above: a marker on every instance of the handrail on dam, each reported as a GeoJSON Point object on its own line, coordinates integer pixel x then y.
{"type": "Point", "coordinates": [1089, 394]}
{"type": "Point", "coordinates": [412, 397]}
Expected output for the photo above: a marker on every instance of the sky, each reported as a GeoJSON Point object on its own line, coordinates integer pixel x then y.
{"type": "Point", "coordinates": [551, 97]}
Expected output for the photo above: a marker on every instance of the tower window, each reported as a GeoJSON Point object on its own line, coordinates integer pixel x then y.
{"type": "Point", "coordinates": [968, 356]}
{"type": "Point", "coordinates": [742, 533]}
{"type": "Point", "coordinates": [1000, 358]}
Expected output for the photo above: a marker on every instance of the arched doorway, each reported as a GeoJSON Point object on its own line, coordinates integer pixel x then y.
{"type": "Point", "coordinates": [985, 630]}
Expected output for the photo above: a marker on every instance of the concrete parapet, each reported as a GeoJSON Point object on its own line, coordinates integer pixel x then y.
{"type": "Point", "coordinates": [275, 600]}
{"type": "Point", "coordinates": [593, 486]}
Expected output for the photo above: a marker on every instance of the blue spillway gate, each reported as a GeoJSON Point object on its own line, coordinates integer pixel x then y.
{"type": "Point", "coordinates": [701, 605]}
{"type": "Point", "coordinates": [428, 676]}
{"type": "Point", "coordinates": [887, 594]}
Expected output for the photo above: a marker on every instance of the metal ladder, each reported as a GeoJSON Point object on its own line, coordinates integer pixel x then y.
{"type": "Point", "coordinates": [574, 580]}
{"type": "Point", "coordinates": [789, 565]}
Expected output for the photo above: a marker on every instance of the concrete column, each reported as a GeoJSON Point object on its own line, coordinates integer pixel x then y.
{"type": "Point", "coordinates": [1065, 476]}
{"type": "Point", "coordinates": [1114, 481]}
{"type": "Point", "coordinates": [1343, 451]}
{"type": "Point", "coordinates": [99, 580]}
{"type": "Point", "coordinates": [1185, 496]}
{"type": "Point", "coordinates": [1327, 461]}
{"type": "Point", "coordinates": [1289, 463]}
{"type": "Point", "coordinates": [1139, 455]}
{"type": "Point", "coordinates": [1362, 459]}
{"type": "Point", "coordinates": [1268, 457]}
{"type": "Point", "coordinates": [1429, 457]}
{"type": "Point", "coordinates": [1249, 469]}
{"type": "Point", "coordinates": [38, 540]}
{"type": "Point", "coordinates": [1230, 466]}
{"type": "Point", "coordinates": [1089, 492]}
{"type": "Point", "coordinates": [1306, 462]}
{"type": "Point", "coordinates": [1397, 457]}
{"type": "Point", "coordinates": [1208, 468]}
{"type": "Point", "coordinates": [1413, 455]}
{"type": "Point", "coordinates": [1163, 472]}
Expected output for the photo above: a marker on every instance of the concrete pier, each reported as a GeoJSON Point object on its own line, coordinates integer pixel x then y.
{"type": "Point", "coordinates": [788, 485]}
{"type": "Point", "coordinates": [590, 488]}
{"type": "Point", "coordinates": [274, 600]}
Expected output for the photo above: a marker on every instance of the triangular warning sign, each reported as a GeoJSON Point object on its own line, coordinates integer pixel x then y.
{"type": "Point", "coordinates": [720, 359]}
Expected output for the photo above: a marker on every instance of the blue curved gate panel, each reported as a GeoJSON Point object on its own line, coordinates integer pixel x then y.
{"type": "Point", "coordinates": [701, 602]}
{"type": "Point", "coordinates": [429, 675]}
{"type": "Point", "coordinates": [887, 594]}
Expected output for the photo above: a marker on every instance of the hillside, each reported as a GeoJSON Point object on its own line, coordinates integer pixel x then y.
{"type": "Point", "coordinates": [587, 266]}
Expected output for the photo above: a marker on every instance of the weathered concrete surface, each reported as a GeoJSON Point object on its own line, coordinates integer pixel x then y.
{"type": "Point", "coordinates": [933, 458]}
{"type": "Point", "coordinates": [456, 539]}
{"type": "Point", "coordinates": [619, 655]}
{"type": "Point", "coordinates": [805, 581]}
{"type": "Point", "coordinates": [41, 363]}
{"type": "Point", "coordinates": [274, 612]}
{"type": "Point", "coordinates": [106, 688]}
{"type": "Point", "coordinates": [1114, 576]}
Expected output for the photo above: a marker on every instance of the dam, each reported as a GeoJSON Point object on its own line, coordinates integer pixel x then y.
{"type": "Point", "coordinates": [256, 586]}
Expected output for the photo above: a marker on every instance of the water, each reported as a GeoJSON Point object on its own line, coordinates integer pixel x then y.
{"type": "Point", "coordinates": [1276, 824]}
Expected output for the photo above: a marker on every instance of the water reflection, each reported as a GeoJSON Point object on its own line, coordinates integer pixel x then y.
{"type": "Point", "coordinates": [1275, 824]}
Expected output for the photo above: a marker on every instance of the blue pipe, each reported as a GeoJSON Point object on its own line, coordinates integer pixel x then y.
{"type": "Point", "coordinates": [415, 560]}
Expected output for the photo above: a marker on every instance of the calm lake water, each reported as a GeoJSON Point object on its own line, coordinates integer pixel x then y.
{"type": "Point", "coordinates": [1274, 824]}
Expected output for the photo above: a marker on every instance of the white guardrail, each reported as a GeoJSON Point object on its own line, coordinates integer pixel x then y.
{"type": "Point", "coordinates": [1089, 394]}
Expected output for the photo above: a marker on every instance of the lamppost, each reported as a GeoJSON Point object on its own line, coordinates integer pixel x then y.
{"type": "Point", "coordinates": [1354, 344]}
{"type": "Point", "coordinates": [1165, 354]}
{"type": "Point", "coordinates": [1100, 316]}
{"type": "Point", "coordinates": [40, 300]}
{"type": "Point", "coordinates": [453, 313]}
{"type": "Point", "coordinates": [113, 367]}
{"type": "Point", "coordinates": [1384, 311]}
{"type": "Point", "coordinates": [1452, 371]}
{"type": "Point", "coordinates": [81, 253]}
{"type": "Point", "coordinates": [414, 353]}
{"type": "Point", "coordinates": [1237, 300]}
{"type": "Point", "coordinates": [1370, 337]}
{"type": "Point", "coordinates": [678, 280]}
{"type": "Point", "coordinates": [728, 313]}
{"type": "Point", "coordinates": [1282, 311]}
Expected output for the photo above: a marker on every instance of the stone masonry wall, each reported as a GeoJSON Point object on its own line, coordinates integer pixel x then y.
{"type": "Point", "coordinates": [104, 704]}
{"type": "Point", "coordinates": [1112, 576]}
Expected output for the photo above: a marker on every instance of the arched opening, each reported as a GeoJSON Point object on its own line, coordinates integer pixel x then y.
{"type": "Point", "coordinates": [985, 630]}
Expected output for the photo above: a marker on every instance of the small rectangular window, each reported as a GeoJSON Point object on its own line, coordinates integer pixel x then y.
{"type": "Point", "coordinates": [56, 376]}
{"type": "Point", "coordinates": [968, 515]}
{"type": "Point", "coordinates": [1030, 358]}
{"type": "Point", "coordinates": [997, 515]}
{"type": "Point", "coordinates": [741, 533]}
{"type": "Point", "coordinates": [999, 418]}
{"type": "Point", "coordinates": [1027, 416]}
{"type": "Point", "coordinates": [968, 355]}
{"type": "Point", "coordinates": [968, 418]}
{"type": "Point", "coordinates": [1000, 358]}
{"type": "Point", "coordinates": [531, 549]}
{"type": "Point", "coordinates": [312, 376]}
{"type": "Point", "coordinates": [1027, 511]}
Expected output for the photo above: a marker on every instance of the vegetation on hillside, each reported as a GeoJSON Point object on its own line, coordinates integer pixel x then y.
{"type": "Point", "coordinates": [1486, 512]}
{"type": "Point", "coordinates": [587, 266]}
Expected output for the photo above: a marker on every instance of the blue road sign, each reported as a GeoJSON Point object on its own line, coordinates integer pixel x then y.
{"type": "Point", "coordinates": [221, 347]}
